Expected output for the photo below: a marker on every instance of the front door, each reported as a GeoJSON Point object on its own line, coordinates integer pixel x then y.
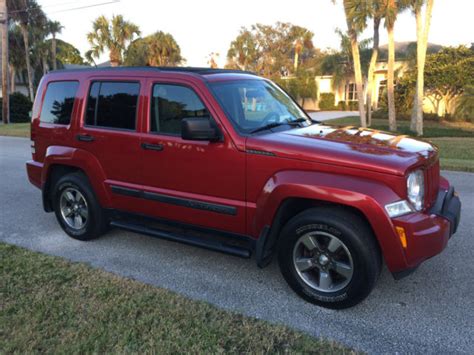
{"type": "Point", "coordinates": [196, 182]}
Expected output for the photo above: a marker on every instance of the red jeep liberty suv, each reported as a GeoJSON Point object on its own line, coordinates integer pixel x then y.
{"type": "Point", "coordinates": [227, 161]}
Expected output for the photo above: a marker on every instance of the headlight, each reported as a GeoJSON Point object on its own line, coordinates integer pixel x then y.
{"type": "Point", "coordinates": [416, 189]}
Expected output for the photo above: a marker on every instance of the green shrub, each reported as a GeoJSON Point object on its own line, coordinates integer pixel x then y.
{"type": "Point", "coordinates": [353, 105]}
{"type": "Point", "coordinates": [326, 102]}
{"type": "Point", "coordinates": [20, 107]}
{"type": "Point", "coordinates": [341, 105]}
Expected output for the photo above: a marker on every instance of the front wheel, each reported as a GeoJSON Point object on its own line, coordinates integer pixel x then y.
{"type": "Point", "coordinates": [329, 256]}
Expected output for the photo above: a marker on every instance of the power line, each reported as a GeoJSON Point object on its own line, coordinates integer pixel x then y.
{"type": "Point", "coordinates": [67, 10]}
{"type": "Point", "coordinates": [85, 7]}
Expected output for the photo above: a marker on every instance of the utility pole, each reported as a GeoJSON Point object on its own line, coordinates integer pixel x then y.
{"type": "Point", "coordinates": [5, 90]}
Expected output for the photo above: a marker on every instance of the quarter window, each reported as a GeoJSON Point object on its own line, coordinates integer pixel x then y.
{"type": "Point", "coordinates": [170, 104]}
{"type": "Point", "coordinates": [58, 102]}
{"type": "Point", "coordinates": [113, 105]}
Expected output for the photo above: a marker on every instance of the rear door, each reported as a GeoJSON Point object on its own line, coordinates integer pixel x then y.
{"type": "Point", "coordinates": [109, 131]}
{"type": "Point", "coordinates": [53, 126]}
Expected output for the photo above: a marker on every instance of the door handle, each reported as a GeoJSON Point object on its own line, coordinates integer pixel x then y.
{"type": "Point", "coordinates": [150, 146]}
{"type": "Point", "coordinates": [84, 138]}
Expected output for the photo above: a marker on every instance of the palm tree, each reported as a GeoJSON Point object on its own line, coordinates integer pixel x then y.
{"type": "Point", "coordinates": [54, 28]}
{"type": "Point", "coordinates": [391, 12]}
{"type": "Point", "coordinates": [422, 44]}
{"type": "Point", "coordinates": [303, 39]}
{"type": "Point", "coordinates": [113, 35]}
{"type": "Point", "coordinates": [376, 13]}
{"type": "Point", "coordinates": [163, 50]}
{"type": "Point", "coordinates": [28, 14]}
{"type": "Point", "coordinates": [355, 24]}
{"type": "Point", "coordinates": [16, 54]}
{"type": "Point", "coordinates": [243, 51]}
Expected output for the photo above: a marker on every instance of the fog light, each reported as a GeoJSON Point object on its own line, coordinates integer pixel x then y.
{"type": "Point", "coordinates": [398, 208]}
{"type": "Point", "coordinates": [402, 235]}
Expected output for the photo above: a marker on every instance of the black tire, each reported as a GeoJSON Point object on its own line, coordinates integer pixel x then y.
{"type": "Point", "coordinates": [357, 238]}
{"type": "Point", "coordinates": [96, 222]}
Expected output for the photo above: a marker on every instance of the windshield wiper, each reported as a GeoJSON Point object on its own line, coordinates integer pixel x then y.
{"type": "Point", "coordinates": [303, 119]}
{"type": "Point", "coordinates": [269, 126]}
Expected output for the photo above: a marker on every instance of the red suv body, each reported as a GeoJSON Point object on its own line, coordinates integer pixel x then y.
{"type": "Point", "coordinates": [226, 160]}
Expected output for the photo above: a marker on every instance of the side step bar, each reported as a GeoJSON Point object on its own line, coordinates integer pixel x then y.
{"type": "Point", "coordinates": [190, 240]}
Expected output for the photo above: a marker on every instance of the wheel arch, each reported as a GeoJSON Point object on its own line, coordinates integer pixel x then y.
{"type": "Point", "coordinates": [291, 192]}
{"type": "Point", "coordinates": [64, 160]}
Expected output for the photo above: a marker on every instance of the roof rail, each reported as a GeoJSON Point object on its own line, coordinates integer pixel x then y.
{"type": "Point", "coordinates": [193, 70]}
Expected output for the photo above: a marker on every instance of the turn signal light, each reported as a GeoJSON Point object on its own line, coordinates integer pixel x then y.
{"type": "Point", "coordinates": [402, 235]}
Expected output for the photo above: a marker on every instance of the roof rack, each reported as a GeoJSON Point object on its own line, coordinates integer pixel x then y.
{"type": "Point", "coordinates": [193, 70]}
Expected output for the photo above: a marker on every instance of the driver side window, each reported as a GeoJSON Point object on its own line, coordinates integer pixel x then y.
{"type": "Point", "coordinates": [170, 104]}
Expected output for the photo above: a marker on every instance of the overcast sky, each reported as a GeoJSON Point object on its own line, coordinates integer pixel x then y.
{"type": "Point", "coordinates": [204, 26]}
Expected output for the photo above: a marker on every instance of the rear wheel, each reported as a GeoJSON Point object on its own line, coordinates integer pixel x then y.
{"type": "Point", "coordinates": [329, 257]}
{"type": "Point", "coordinates": [77, 209]}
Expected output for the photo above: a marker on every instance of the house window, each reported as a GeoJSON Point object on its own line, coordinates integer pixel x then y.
{"type": "Point", "coordinates": [351, 92]}
{"type": "Point", "coordinates": [382, 87]}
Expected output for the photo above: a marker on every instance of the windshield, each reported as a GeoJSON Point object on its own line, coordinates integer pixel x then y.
{"type": "Point", "coordinates": [254, 104]}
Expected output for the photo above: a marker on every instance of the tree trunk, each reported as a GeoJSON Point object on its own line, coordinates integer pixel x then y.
{"type": "Point", "coordinates": [44, 59]}
{"type": "Point", "coordinates": [53, 50]}
{"type": "Point", "coordinates": [358, 79]}
{"type": "Point", "coordinates": [13, 77]}
{"type": "Point", "coordinates": [5, 89]}
{"type": "Point", "coordinates": [373, 62]}
{"type": "Point", "coordinates": [295, 63]}
{"type": "Point", "coordinates": [422, 44]}
{"type": "Point", "coordinates": [26, 41]}
{"type": "Point", "coordinates": [392, 123]}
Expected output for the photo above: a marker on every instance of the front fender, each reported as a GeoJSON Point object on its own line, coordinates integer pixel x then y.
{"type": "Point", "coordinates": [367, 196]}
{"type": "Point", "coordinates": [81, 159]}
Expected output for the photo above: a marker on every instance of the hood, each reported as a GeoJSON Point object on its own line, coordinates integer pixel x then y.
{"type": "Point", "coordinates": [350, 146]}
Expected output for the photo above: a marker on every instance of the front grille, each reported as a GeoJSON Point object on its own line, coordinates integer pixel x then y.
{"type": "Point", "coordinates": [432, 183]}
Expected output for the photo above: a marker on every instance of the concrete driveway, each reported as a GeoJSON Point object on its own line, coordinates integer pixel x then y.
{"type": "Point", "coordinates": [432, 311]}
{"type": "Point", "coordinates": [330, 115]}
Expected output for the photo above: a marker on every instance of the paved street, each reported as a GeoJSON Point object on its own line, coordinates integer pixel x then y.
{"type": "Point", "coordinates": [432, 311]}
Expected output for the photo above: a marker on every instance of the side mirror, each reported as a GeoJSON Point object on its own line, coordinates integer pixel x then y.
{"type": "Point", "coordinates": [199, 129]}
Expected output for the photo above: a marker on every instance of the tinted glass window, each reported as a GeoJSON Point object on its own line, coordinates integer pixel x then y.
{"type": "Point", "coordinates": [112, 104]}
{"type": "Point", "coordinates": [251, 104]}
{"type": "Point", "coordinates": [58, 102]}
{"type": "Point", "coordinates": [170, 104]}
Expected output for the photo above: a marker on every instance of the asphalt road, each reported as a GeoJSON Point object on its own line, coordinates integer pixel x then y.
{"type": "Point", "coordinates": [432, 311]}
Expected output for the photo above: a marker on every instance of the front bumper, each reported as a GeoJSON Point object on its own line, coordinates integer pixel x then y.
{"type": "Point", "coordinates": [428, 233]}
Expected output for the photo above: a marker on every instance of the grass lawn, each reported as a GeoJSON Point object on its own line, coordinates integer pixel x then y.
{"type": "Point", "coordinates": [15, 130]}
{"type": "Point", "coordinates": [50, 305]}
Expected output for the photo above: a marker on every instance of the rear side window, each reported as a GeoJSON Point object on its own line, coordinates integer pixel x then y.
{"type": "Point", "coordinates": [58, 102]}
{"type": "Point", "coordinates": [113, 105]}
{"type": "Point", "coordinates": [170, 104]}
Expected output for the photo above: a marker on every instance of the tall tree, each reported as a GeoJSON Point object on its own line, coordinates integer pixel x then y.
{"type": "Point", "coordinates": [28, 14]}
{"type": "Point", "coordinates": [16, 54]}
{"type": "Point", "coordinates": [303, 38]}
{"type": "Point", "coordinates": [391, 12]}
{"type": "Point", "coordinates": [54, 28]}
{"type": "Point", "coordinates": [355, 24]}
{"type": "Point", "coordinates": [376, 12]}
{"type": "Point", "coordinates": [422, 31]}
{"type": "Point", "coordinates": [243, 51]}
{"type": "Point", "coordinates": [114, 35]}
{"type": "Point", "coordinates": [158, 49]}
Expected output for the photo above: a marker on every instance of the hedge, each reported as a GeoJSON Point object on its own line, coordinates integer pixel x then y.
{"type": "Point", "coordinates": [20, 108]}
